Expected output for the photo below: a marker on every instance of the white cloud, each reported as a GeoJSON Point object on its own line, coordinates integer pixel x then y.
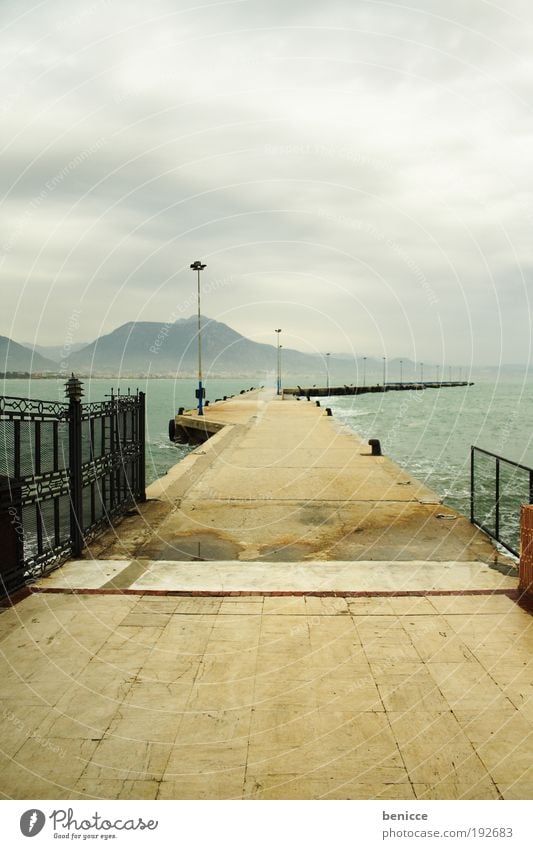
{"type": "Point", "coordinates": [362, 161]}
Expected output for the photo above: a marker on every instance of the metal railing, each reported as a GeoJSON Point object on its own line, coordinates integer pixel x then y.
{"type": "Point", "coordinates": [498, 487]}
{"type": "Point", "coordinates": [66, 470]}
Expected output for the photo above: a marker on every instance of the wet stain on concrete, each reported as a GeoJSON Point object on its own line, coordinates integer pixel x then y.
{"type": "Point", "coordinates": [291, 553]}
{"type": "Point", "coordinates": [197, 546]}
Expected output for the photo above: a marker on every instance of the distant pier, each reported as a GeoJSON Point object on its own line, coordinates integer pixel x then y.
{"type": "Point", "coordinates": [322, 391]}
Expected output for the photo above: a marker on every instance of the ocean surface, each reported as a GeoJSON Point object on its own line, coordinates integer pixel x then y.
{"type": "Point", "coordinates": [163, 399]}
{"type": "Point", "coordinates": [428, 433]}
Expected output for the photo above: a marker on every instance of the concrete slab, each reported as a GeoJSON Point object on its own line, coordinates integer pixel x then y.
{"type": "Point", "coordinates": [310, 576]}
{"type": "Point", "coordinates": [270, 698]}
{"type": "Point", "coordinates": [89, 574]}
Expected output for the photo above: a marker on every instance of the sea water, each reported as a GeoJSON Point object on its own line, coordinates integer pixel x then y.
{"type": "Point", "coordinates": [164, 397]}
{"type": "Point", "coordinates": [428, 433]}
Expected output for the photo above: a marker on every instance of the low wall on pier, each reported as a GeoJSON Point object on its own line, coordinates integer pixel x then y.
{"type": "Point", "coordinates": [321, 391]}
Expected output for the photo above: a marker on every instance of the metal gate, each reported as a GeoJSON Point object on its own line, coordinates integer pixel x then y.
{"type": "Point", "coordinates": [66, 470]}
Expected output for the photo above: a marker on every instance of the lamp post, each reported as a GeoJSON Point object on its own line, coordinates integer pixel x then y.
{"type": "Point", "coordinates": [278, 378]}
{"type": "Point", "coordinates": [364, 371]}
{"type": "Point", "coordinates": [384, 370]}
{"type": "Point", "coordinates": [421, 372]}
{"type": "Point", "coordinates": [401, 371]}
{"type": "Point", "coordinates": [198, 267]}
{"type": "Point", "coordinates": [327, 372]}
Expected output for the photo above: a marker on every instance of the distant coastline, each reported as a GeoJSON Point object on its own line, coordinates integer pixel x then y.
{"type": "Point", "coordinates": [25, 375]}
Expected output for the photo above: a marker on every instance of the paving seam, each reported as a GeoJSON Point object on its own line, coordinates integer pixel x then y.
{"type": "Point", "coordinates": [511, 593]}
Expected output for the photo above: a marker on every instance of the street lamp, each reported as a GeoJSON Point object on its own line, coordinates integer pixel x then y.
{"type": "Point", "coordinates": [200, 392]}
{"type": "Point", "coordinates": [327, 372]}
{"type": "Point", "coordinates": [384, 370]}
{"type": "Point", "coordinates": [278, 379]}
{"type": "Point", "coordinates": [364, 371]}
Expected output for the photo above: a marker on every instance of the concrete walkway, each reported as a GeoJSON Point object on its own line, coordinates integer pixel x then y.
{"type": "Point", "coordinates": [286, 617]}
{"type": "Point", "coordinates": [114, 696]}
{"type": "Point", "coordinates": [285, 482]}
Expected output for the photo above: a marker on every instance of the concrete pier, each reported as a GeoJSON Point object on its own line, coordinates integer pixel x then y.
{"type": "Point", "coordinates": [411, 386]}
{"type": "Point", "coordinates": [281, 481]}
{"type": "Point", "coordinates": [287, 616]}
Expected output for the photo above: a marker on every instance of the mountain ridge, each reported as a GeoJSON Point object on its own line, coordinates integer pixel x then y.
{"type": "Point", "coordinates": [17, 357]}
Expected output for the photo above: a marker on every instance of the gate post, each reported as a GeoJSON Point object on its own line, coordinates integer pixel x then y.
{"type": "Point", "coordinates": [526, 550]}
{"type": "Point", "coordinates": [12, 560]}
{"type": "Point", "coordinates": [74, 394]}
{"type": "Point", "coordinates": [141, 412]}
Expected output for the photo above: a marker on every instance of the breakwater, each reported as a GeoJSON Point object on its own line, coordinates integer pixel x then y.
{"type": "Point", "coordinates": [331, 391]}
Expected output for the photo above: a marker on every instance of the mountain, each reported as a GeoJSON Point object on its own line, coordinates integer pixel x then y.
{"type": "Point", "coordinates": [15, 357]}
{"type": "Point", "coordinates": [54, 352]}
{"type": "Point", "coordinates": [149, 347]}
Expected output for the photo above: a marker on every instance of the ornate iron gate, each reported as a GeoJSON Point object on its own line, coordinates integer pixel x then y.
{"type": "Point", "coordinates": [66, 470]}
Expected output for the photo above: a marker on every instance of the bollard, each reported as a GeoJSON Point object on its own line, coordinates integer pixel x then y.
{"type": "Point", "coordinates": [376, 447]}
{"type": "Point", "coordinates": [181, 411]}
{"type": "Point", "coordinates": [317, 403]}
{"type": "Point", "coordinates": [328, 411]}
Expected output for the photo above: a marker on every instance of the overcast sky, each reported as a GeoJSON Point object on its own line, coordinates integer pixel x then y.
{"type": "Point", "coordinates": [356, 172]}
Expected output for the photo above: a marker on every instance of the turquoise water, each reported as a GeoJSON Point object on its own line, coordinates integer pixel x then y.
{"type": "Point", "coordinates": [429, 433]}
{"type": "Point", "coordinates": [163, 399]}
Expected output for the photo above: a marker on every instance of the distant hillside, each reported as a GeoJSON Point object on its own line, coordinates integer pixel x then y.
{"type": "Point", "coordinates": [54, 352]}
{"type": "Point", "coordinates": [149, 347]}
{"type": "Point", "coordinates": [15, 357]}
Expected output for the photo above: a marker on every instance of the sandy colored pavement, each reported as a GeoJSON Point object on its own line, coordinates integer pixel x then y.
{"type": "Point", "coordinates": [266, 697]}
{"type": "Point", "coordinates": [283, 481]}
{"type": "Point", "coordinates": [286, 617]}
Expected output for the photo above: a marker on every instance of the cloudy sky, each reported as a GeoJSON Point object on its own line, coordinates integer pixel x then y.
{"type": "Point", "coordinates": [356, 172]}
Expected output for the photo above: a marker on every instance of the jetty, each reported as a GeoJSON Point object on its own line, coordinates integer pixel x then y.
{"type": "Point", "coordinates": [371, 388]}
{"type": "Point", "coordinates": [289, 615]}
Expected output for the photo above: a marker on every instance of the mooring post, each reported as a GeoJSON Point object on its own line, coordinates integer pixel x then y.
{"type": "Point", "coordinates": [74, 393]}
